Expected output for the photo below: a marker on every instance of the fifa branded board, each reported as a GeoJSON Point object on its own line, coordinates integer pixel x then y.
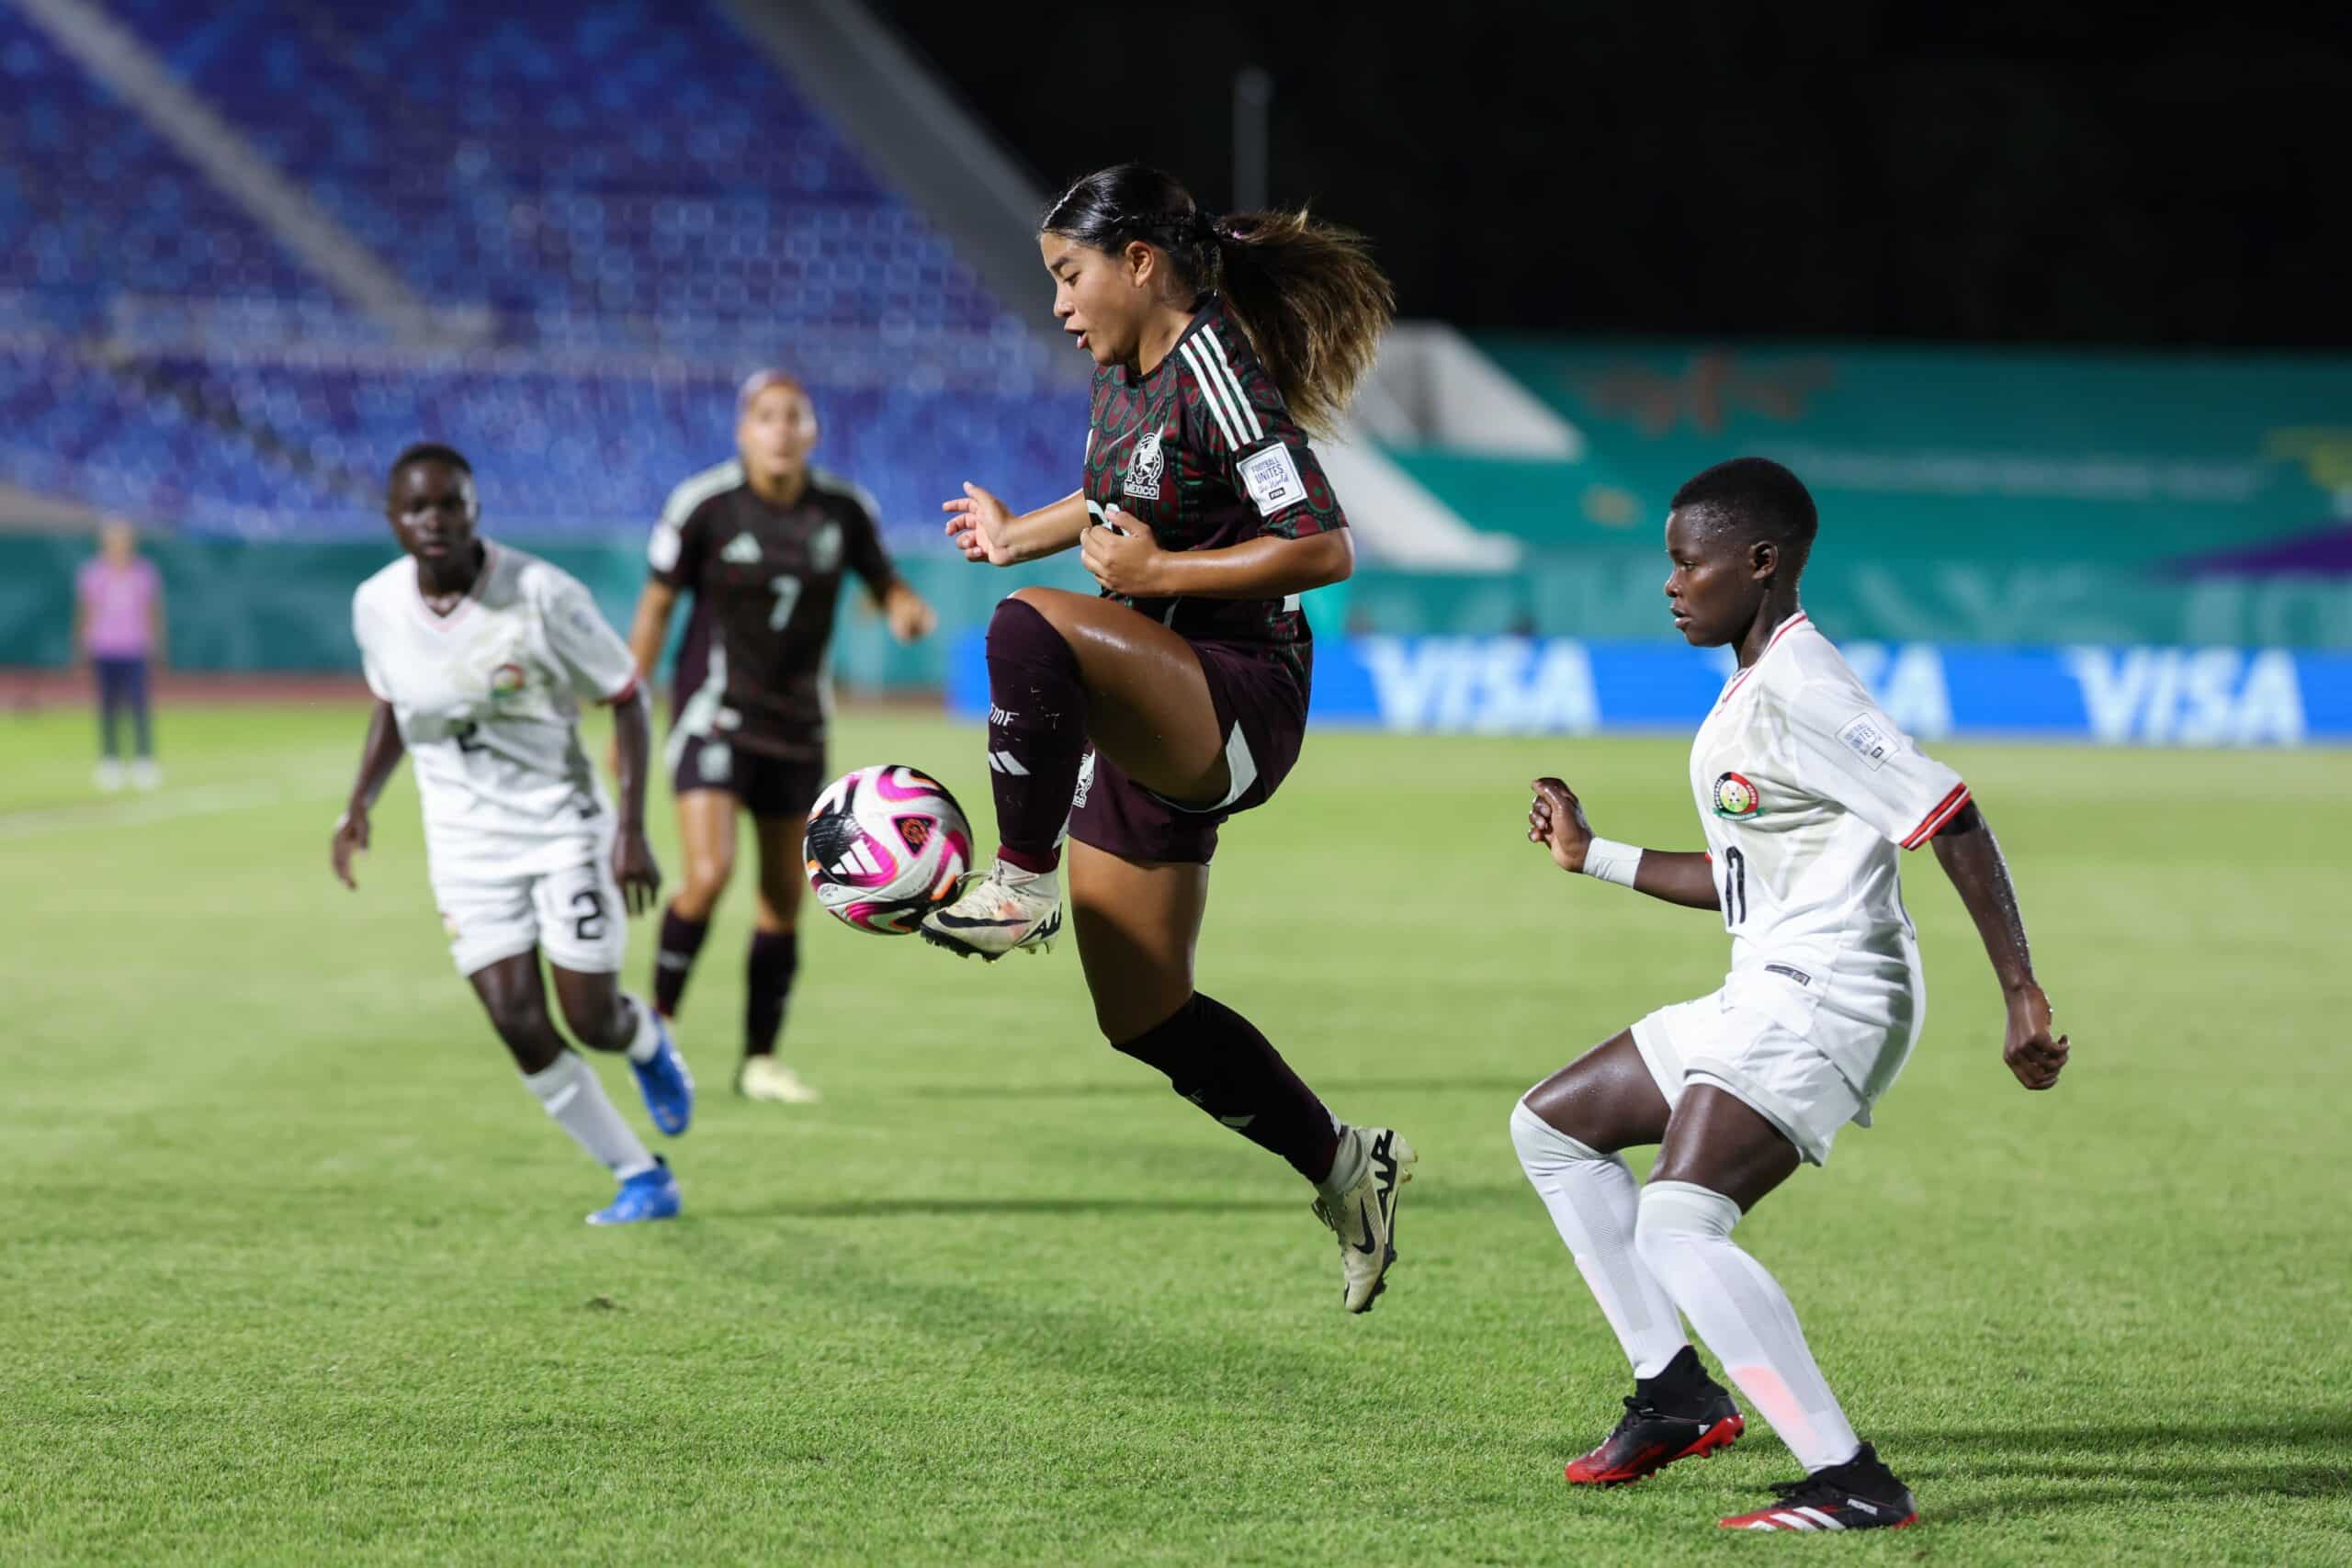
{"type": "Point", "coordinates": [2116, 695]}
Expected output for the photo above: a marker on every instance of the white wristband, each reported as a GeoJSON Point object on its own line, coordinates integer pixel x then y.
{"type": "Point", "coordinates": [1612, 862]}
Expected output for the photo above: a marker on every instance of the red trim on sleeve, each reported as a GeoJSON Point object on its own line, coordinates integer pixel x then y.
{"type": "Point", "coordinates": [623, 694]}
{"type": "Point", "coordinates": [1945, 810]}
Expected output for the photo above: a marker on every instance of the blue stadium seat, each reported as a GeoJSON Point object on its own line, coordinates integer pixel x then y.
{"type": "Point", "coordinates": [618, 208]}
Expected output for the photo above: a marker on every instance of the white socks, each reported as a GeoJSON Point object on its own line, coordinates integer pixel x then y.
{"type": "Point", "coordinates": [648, 1037]}
{"type": "Point", "coordinates": [1684, 1236]}
{"type": "Point", "coordinates": [1592, 1199]}
{"type": "Point", "coordinates": [574, 1095]}
{"type": "Point", "coordinates": [1348, 1164]}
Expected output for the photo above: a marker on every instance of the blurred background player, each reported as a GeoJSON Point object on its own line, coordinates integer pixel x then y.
{"type": "Point", "coordinates": [478, 656]}
{"type": "Point", "coordinates": [1805, 790]}
{"type": "Point", "coordinates": [1144, 717]}
{"type": "Point", "coordinates": [118, 626]}
{"type": "Point", "coordinates": [760, 543]}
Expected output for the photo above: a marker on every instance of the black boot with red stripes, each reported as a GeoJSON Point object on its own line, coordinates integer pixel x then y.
{"type": "Point", "coordinates": [1681, 1413]}
{"type": "Point", "coordinates": [1860, 1495]}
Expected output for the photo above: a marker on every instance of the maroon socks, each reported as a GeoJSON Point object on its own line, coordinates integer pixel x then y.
{"type": "Point", "coordinates": [1215, 1058]}
{"type": "Point", "coordinates": [1036, 734]}
{"type": "Point", "coordinates": [767, 978]}
{"type": "Point", "coordinates": [673, 959]}
{"type": "Point", "coordinates": [767, 982]}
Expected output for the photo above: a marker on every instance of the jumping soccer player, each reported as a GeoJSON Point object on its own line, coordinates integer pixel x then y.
{"type": "Point", "coordinates": [1805, 791]}
{"type": "Point", "coordinates": [760, 543]}
{"type": "Point", "coordinates": [479, 656]}
{"type": "Point", "coordinates": [1145, 717]}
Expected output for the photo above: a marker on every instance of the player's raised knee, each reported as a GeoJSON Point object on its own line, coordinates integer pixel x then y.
{"type": "Point", "coordinates": [1029, 611]}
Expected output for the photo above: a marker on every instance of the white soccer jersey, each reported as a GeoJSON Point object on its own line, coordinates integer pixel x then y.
{"type": "Point", "coordinates": [1806, 790]}
{"type": "Point", "coordinates": [487, 701]}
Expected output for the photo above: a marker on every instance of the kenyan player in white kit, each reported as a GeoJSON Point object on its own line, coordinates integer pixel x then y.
{"type": "Point", "coordinates": [1807, 794]}
{"type": "Point", "coordinates": [479, 657]}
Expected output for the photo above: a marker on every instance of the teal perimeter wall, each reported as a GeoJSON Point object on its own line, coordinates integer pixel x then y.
{"type": "Point", "coordinates": [1966, 497]}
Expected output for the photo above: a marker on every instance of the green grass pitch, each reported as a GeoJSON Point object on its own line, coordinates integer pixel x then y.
{"type": "Point", "coordinates": [292, 1268]}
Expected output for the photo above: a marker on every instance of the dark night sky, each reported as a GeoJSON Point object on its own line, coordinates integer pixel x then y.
{"type": "Point", "coordinates": [2005, 172]}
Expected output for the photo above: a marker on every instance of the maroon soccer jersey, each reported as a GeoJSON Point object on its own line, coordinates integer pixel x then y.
{"type": "Point", "coordinates": [1203, 450]}
{"type": "Point", "coordinates": [766, 582]}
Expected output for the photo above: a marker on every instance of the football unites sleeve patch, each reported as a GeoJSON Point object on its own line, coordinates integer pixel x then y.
{"type": "Point", "coordinates": [1869, 766]}
{"type": "Point", "coordinates": [1271, 477]}
{"type": "Point", "coordinates": [1869, 739]}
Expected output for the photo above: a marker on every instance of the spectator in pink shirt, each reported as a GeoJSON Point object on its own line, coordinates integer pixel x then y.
{"type": "Point", "coordinates": [118, 626]}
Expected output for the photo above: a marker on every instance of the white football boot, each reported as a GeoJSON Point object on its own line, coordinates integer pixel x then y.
{"type": "Point", "coordinates": [1364, 1215]}
{"type": "Point", "coordinates": [1007, 908]}
{"type": "Point", "coordinates": [765, 1077]}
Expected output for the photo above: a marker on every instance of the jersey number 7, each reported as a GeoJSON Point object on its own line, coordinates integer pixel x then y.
{"type": "Point", "coordinates": [787, 598]}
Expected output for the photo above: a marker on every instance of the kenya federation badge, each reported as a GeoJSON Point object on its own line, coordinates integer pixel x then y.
{"type": "Point", "coordinates": [1735, 797]}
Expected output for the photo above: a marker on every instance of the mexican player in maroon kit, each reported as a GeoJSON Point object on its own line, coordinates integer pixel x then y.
{"type": "Point", "coordinates": [762, 543]}
{"type": "Point", "coordinates": [1143, 717]}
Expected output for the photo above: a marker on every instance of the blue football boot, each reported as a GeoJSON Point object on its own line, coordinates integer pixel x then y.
{"type": "Point", "coordinates": [668, 1086]}
{"type": "Point", "coordinates": [648, 1195]}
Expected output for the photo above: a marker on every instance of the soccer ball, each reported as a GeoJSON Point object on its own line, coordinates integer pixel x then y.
{"type": "Point", "coordinates": [885, 845]}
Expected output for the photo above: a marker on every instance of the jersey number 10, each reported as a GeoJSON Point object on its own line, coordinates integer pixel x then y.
{"type": "Point", "coordinates": [1734, 890]}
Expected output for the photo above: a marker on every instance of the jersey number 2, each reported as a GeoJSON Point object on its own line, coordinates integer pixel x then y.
{"type": "Point", "coordinates": [1735, 887]}
{"type": "Point", "coordinates": [787, 598]}
{"type": "Point", "coordinates": [589, 926]}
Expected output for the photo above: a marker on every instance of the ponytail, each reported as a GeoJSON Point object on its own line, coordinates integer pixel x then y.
{"type": "Point", "coordinates": [1306, 292]}
{"type": "Point", "coordinates": [1312, 303]}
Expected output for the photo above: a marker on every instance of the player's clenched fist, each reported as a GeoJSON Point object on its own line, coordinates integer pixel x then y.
{"type": "Point", "coordinates": [2032, 1055]}
{"type": "Point", "coordinates": [1555, 820]}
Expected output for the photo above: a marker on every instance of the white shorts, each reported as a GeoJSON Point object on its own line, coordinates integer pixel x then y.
{"type": "Point", "coordinates": [1784, 1077]}
{"type": "Point", "coordinates": [574, 914]}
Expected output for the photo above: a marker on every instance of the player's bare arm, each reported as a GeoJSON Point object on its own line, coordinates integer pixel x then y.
{"type": "Point", "coordinates": [985, 529]}
{"type": "Point", "coordinates": [380, 755]}
{"type": "Point", "coordinates": [908, 613]}
{"type": "Point", "coordinates": [647, 630]}
{"type": "Point", "coordinates": [1555, 819]}
{"type": "Point", "coordinates": [1126, 557]}
{"type": "Point", "coordinates": [633, 867]}
{"type": "Point", "coordinates": [651, 626]}
{"type": "Point", "coordinates": [1970, 855]}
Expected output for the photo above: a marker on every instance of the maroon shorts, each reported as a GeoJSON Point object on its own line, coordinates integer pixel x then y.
{"type": "Point", "coordinates": [1261, 710]}
{"type": "Point", "coordinates": [768, 786]}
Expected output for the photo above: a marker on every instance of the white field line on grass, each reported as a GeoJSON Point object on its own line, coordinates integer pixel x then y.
{"type": "Point", "coordinates": [167, 804]}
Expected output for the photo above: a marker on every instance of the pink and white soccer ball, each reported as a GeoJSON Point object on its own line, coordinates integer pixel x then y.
{"type": "Point", "coordinates": [885, 845]}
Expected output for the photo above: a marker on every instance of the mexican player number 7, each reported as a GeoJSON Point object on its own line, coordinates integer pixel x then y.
{"type": "Point", "coordinates": [787, 596]}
